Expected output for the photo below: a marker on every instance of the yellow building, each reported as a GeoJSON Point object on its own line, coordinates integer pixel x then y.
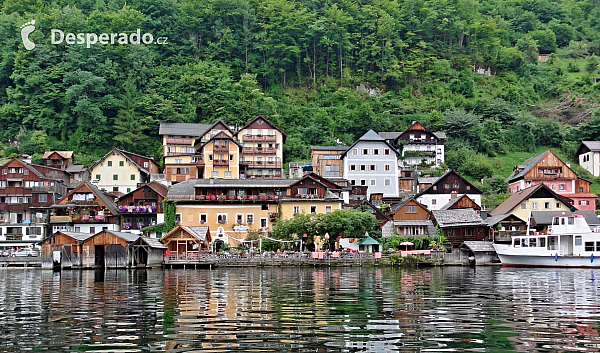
{"type": "Point", "coordinates": [262, 154]}
{"type": "Point", "coordinates": [312, 194]}
{"type": "Point", "coordinates": [122, 171]}
{"type": "Point", "coordinates": [535, 198]}
{"type": "Point", "coordinates": [221, 155]}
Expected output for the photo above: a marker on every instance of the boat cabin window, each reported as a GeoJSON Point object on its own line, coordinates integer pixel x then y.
{"type": "Point", "coordinates": [562, 221]}
{"type": "Point", "coordinates": [598, 246]}
{"type": "Point", "coordinates": [552, 243]}
{"type": "Point", "coordinates": [589, 246]}
{"type": "Point", "coordinates": [516, 242]}
{"type": "Point", "coordinates": [555, 221]}
{"type": "Point", "coordinates": [524, 242]}
{"type": "Point", "coordinates": [578, 240]}
{"type": "Point", "coordinates": [542, 242]}
{"type": "Point", "coordinates": [571, 221]}
{"type": "Point", "coordinates": [533, 242]}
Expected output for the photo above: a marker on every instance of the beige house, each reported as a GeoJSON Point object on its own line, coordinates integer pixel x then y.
{"type": "Point", "coordinates": [221, 156]}
{"type": "Point", "coordinates": [534, 198]}
{"type": "Point", "coordinates": [120, 171]}
{"type": "Point", "coordinates": [262, 152]}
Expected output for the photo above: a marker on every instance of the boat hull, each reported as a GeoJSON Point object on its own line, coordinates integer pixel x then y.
{"type": "Point", "coordinates": [547, 261]}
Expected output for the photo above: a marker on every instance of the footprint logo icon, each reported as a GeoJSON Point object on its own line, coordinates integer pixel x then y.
{"type": "Point", "coordinates": [26, 30]}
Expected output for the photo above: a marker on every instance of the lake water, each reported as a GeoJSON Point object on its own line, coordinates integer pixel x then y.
{"type": "Point", "coordinates": [451, 309]}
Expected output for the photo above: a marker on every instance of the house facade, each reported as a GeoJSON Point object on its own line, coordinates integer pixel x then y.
{"type": "Point", "coordinates": [411, 218]}
{"type": "Point", "coordinates": [120, 171]}
{"type": "Point", "coordinates": [372, 162]}
{"type": "Point", "coordinates": [65, 160]}
{"type": "Point", "coordinates": [418, 145]}
{"type": "Point", "coordinates": [262, 152]}
{"type": "Point", "coordinates": [221, 156]}
{"type": "Point", "coordinates": [142, 207]}
{"type": "Point", "coordinates": [461, 225]}
{"type": "Point", "coordinates": [85, 209]}
{"type": "Point", "coordinates": [550, 170]}
{"type": "Point", "coordinates": [179, 154]}
{"type": "Point", "coordinates": [312, 194]}
{"type": "Point", "coordinates": [588, 155]}
{"type": "Point", "coordinates": [327, 160]}
{"type": "Point", "coordinates": [449, 186]}
{"type": "Point", "coordinates": [26, 192]}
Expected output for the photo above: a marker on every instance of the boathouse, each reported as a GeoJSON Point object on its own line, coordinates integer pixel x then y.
{"type": "Point", "coordinates": [185, 242]}
{"type": "Point", "coordinates": [111, 249]}
{"type": "Point", "coordinates": [63, 250]}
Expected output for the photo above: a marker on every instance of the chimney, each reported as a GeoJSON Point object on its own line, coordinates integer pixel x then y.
{"type": "Point", "coordinates": [483, 214]}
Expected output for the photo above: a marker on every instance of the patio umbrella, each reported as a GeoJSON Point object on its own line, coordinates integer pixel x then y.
{"type": "Point", "coordinates": [407, 244]}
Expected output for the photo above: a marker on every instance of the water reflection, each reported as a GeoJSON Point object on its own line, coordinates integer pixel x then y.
{"type": "Point", "coordinates": [311, 310]}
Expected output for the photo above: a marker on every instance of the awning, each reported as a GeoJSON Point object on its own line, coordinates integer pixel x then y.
{"type": "Point", "coordinates": [369, 241]}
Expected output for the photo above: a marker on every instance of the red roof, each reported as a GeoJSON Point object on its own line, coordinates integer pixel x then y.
{"type": "Point", "coordinates": [581, 194]}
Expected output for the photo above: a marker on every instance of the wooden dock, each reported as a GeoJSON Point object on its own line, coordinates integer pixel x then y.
{"type": "Point", "coordinates": [211, 261]}
{"type": "Point", "coordinates": [20, 262]}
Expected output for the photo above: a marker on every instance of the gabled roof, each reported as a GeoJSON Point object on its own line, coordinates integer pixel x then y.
{"type": "Point", "coordinates": [455, 200]}
{"type": "Point", "coordinates": [97, 193]}
{"type": "Point", "coordinates": [480, 246]}
{"type": "Point", "coordinates": [32, 168]}
{"type": "Point", "coordinates": [128, 157]}
{"type": "Point", "coordinates": [199, 232]}
{"type": "Point", "coordinates": [369, 241]}
{"type": "Point", "coordinates": [545, 217]}
{"type": "Point", "coordinates": [522, 169]}
{"type": "Point", "coordinates": [427, 180]}
{"type": "Point", "coordinates": [586, 146]}
{"type": "Point", "coordinates": [221, 135]}
{"type": "Point", "coordinates": [154, 185]}
{"type": "Point", "coordinates": [128, 237]}
{"type": "Point", "coordinates": [493, 220]}
{"type": "Point", "coordinates": [319, 179]}
{"type": "Point", "coordinates": [398, 206]}
{"type": "Point", "coordinates": [428, 223]}
{"type": "Point", "coordinates": [268, 122]}
{"type": "Point", "coordinates": [373, 208]}
{"type": "Point", "coordinates": [63, 154]}
{"type": "Point", "coordinates": [390, 135]}
{"type": "Point", "coordinates": [73, 235]}
{"type": "Point", "coordinates": [474, 189]}
{"type": "Point", "coordinates": [183, 129]}
{"type": "Point", "coordinates": [371, 136]}
{"type": "Point", "coordinates": [522, 195]}
{"type": "Point", "coordinates": [462, 217]}
{"type": "Point", "coordinates": [151, 242]}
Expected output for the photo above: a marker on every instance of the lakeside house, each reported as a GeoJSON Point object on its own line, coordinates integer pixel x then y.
{"type": "Point", "coordinates": [418, 145]}
{"type": "Point", "coordinates": [534, 198]}
{"type": "Point", "coordinates": [588, 155]}
{"type": "Point", "coordinates": [449, 186]}
{"type": "Point", "coordinates": [142, 207]}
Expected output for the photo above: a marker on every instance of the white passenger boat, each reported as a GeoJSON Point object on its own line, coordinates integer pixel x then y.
{"type": "Point", "coordinates": [569, 243]}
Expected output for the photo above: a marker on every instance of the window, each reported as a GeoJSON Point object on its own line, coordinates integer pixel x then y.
{"type": "Point", "coordinates": [387, 167]}
{"type": "Point", "coordinates": [580, 190]}
{"type": "Point", "coordinates": [547, 205]}
{"type": "Point", "coordinates": [92, 230]}
{"type": "Point", "coordinates": [387, 182]}
{"type": "Point", "coordinates": [355, 151]}
{"type": "Point", "coordinates": [558, 205]}
{"type": "Point", "coordinates": [352, 182]}
{"type": "Point", "coordinates": [296, 209]}
{"type": "Point", "coordinates": [263, 223]}
{"type": "Point", "coordinates": [533, 242]}
{"type": "Point", "coordinates": [365, 151]}
{"type": "Point", "coordinates": [468, 187]}
{"type": "Point", "coordinates": [352, 166]}
{"type": "Point", "coordinates": [328, 210]}
{"type": "Point", "coordinates": [363, 167]}
{"type": "Point", "coordinates": [534, 205]}
{"type": "Point", "coordinates": [77, 229]}
{"type": "Point", "coordinates": [222, 218]}
{"type": "Point", "coordinates": [542, 242]}
{"type": "Point", "coordinates": [115, 177]}
{"type": "Point", "coordinates": [121, 163]}
{"type": "Point", "coordinates": [372, 167]}
{"type": "Point", "coordinates": [553, 186]}
{"type": "Point", "coordinates": [227, 174]}
{"type": "Point", "coordinates": [373, 182]}
{"type": "Point", "coordinates": [598, 246]}
{"type": "Point", "coordinates": [231, 157]}
{"type": "Point", "coordinates": [468, 231]}
{"type": "Point", "coordinates": [411, 209]}
{"type": "Point", "coordinates": [313, 209]}
{"type": "Point", "coordinates": [178, 161]}
{"type": "Point", "coordinates": [578, 241]}
{"type": "Point", "coordinates": [239, 218]}
{"type": "Point", "coordinates": [332, 170]}
{"type": "Point", "coordinates": [249, 218]}
{"type": "Point", "coordinates": [132, 176]}
{"type": "Point", "coordinates": [434, 201]}
{"type": "Point", "coordinates": [128, 190]}
{"type": "Point", "coordinates": [376, 151]}
{"type": "Point", "coordinates": [561, 187]}
{"type": "Point", "coordinates": [2, 183]}
{"type": "Point", "coordinates": [589, 246]}
{"type": "Point", "coordinates": [446, 186]}
{"type": "Point", "coordinates": [115, 188]}
{"type": "Point", "coordinates": [97, 176]}
{"type": "Point", "coordinates": [363, 182]}
{"type": "Point", "coordinates": [386, 151]}
{"type": "Point", "coordinates": [210, 157]}
{"type": "Point", "coordinates": [583, 202]}
{"type": "Point", "coordinates": [109, 163]}
{"type": "Point", "coordinates": [571, 221]}
{"type": "Point", "coordinates": [43, 198]}
{"type": "Point", "coordinates": [146, 163]}
{"type": "Point", "coordinates": [523, 205]}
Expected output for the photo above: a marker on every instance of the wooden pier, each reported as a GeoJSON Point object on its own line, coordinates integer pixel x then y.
{"type": "Point", "coordinates": [211, 261]}
{"type": "Point", "coordinates": [20, 262]}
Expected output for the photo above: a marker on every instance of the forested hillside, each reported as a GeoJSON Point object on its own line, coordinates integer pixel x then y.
{"type": "Point", "coordinates": [299, 64]}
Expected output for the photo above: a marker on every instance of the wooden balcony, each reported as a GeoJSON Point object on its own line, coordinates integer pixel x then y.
{"type": "Point", "coordinates": [220, 162]}
{"type": "Point", "coordinates": [259, 138]}
{"type": "Point", "coordinates": [60, 219]}
{"type": "Point", "coordinates": [185, 142]}
{"type": "Point", "coordinates": [260, 150]}
{"type": "Point", "coordinates": [174, 154]}
{"type": "Point", "coordinates": [263, 164]}
{"type": "Point", "coordinates": [220, 149]}
{"type": "Point", "coordinates": [506, 236]}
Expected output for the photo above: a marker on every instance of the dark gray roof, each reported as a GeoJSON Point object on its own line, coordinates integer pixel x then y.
{"type": "Point", "coordinates": [183, 129]}
{"type": "Point", "coordinates": [594, 146]}
{"type": "Point", "coordinates": [526, 166]}
{"type": "Point", "coordinates": [75, 168]}
{"type": "Point", "coordinates": [480, 246]}
{"type": "Point", "coordinates": [457, 218]}
{"type": "Point", "coordinates": [427, 180]}
{"type": "Point", "coordinates": [545, 217]}
{"type": "Point", "coordinates": [371, 136]}
{"type": "Point", "coordinates": [77, 236]}
{"type": "Point", "coordinates": [243, 183]}
{"type": "Point", "coordinates": [493, 220]}
{"type": "Point", "coordinates": [128, 237]}
{"type": "Point", "coordinates": [329, 148]}
{"type": "Point", "coordinates": [153, 242]}
{"type": "Point", "coordinates": [440, 135]}
{"type": "Point", "coordinates": [199, 232]}
{"type": "Point", "coordinates": [450, 203]}
{"type": "Point", "coordinates": [109, 203]}
{"type": "Point", "coordinates": [390, 135]}
{"type": "Point", "coordinates": [182, 191]}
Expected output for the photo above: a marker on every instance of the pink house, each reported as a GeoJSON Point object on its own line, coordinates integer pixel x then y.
{"type": "Point", "coordinates": [548, 169]}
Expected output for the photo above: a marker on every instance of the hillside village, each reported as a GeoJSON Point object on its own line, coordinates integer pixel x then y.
{"type": "Point", "coordinates": [223, 186]}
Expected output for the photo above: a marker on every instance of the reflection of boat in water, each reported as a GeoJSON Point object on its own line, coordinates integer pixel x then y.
{"type": "Point", "coordinates": [569, 243]}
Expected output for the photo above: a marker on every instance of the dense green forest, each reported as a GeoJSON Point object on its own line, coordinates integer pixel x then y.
{"type": "Point", "coordinates": [299, 64]}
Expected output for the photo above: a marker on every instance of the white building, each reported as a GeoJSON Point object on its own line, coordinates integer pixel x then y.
{"type": "Point", "coordinates": [588, 155]}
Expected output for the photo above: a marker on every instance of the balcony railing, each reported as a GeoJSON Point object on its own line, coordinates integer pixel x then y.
{"type": "Point", "coordinates": [259, 138]}
{"type": "Point", "coordinates": [169, 154]}
{"type": "Point", "coordinates": [236, 199]}
{"type": "Point", "coordinates": [54, 188]}
{"type": "Point", "coordinates": [60, 219]}
{"type": "Point", "coordinates": [263, 164]}
{"type": "Point", "coordinates": [14, 236]}
{"type": "Point", "coordinates": [260, 150]}
{"type": "Point", "coordinates": [507, 235]}
{"type": "Point", "coordinates": [221, 149]}
{"type": "Point", "coordinates": [221, 162]}
{"type": "Point", "coordinates": [256, 176]}
{"type": "Point", "coordinates": [186, 142]}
